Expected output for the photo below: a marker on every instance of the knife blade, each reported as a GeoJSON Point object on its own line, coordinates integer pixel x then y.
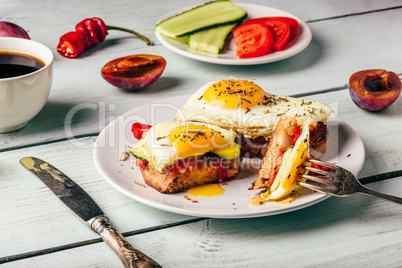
{"type": "Point", "coordinates": [78, 201]}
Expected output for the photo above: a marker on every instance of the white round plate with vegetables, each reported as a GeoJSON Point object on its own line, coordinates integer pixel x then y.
{"type": "Point", "coordinates": [345, 148]}
{"type": "Point", "coordinates": [228, 55]}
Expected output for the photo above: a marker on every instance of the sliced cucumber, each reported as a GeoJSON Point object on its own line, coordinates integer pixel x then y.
{"type": "Point", "coordinates": [210, 15]}
{"type": "Point", "coordinates": [212, 40]}
{"type": "Point", "coordinates": [138, 154]}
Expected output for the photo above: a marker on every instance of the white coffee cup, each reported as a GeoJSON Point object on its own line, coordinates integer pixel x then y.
{"type": "Point", "coordinates": [22, 97]}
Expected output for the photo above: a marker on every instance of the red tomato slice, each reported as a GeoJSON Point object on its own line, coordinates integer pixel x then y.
{"type": "Point", "coordinates": [252, 40]}
{"type": "Point", "coordinates": [294, 26]}
{"type": "Point", "coordinates": [281, 31]}
{"type": "Point", "coordinates": [297, 135]}
{"type": "Point", "coordinates": [281, 28]}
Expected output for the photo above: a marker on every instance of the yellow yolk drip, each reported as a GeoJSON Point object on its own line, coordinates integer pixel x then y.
{"type": "Point", "coordinates": [195, 140]}
{"type": "Point", "coordinates": [233, 94]}
{"type": "Point", "coordinates": [207, 190]}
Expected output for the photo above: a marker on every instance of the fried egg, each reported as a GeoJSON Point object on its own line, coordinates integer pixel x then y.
{"type": "Point", "coordinates": [165, 143]}
{"type": "Point", "coordinates": [245, 107]}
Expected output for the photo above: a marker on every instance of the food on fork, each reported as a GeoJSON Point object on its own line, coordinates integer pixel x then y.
{"type": "Point", "coordinates": [246, 108]}
{"type": "Point", "coordinates": [284, 136]}
{"type": "Point", "coordinates": [284, 161]}
{"type": "Point", "coordinates": [374, 89]}
{"type": "Point", "coordinates": [174, 157]}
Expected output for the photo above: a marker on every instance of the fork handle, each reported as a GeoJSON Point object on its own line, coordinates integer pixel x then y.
{"type": "Point", "coordinates": [386, 197]}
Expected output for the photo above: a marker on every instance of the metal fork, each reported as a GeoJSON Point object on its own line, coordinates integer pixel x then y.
{"type": "Point", "coordinates": [339, 182]}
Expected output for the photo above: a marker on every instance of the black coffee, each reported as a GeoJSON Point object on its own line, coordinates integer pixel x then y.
{"type": "Point", "coordinates": [16, 64]}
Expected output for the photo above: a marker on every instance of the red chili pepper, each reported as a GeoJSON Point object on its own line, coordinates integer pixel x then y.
{"type": "Point", "coordinates": [297, 135]}
{"type": "Point", "coordinates": [103, 27]}
{"type": "Point", "coordinates": [84, 35]}
{"type": "Point", "coordinates": [94, 30]}
{"type": "Point", "coordinates": [71, 45]}
{"type": "Point", "coordinates": [88, 32]}
{"type": "Point", "coordinates": [138, 129]}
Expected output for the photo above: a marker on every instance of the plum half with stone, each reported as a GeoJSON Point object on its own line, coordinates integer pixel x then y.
{"type": "Point", "coordinates": [374, 89]}
{"type": "Point", "coordinates": [134, 72]}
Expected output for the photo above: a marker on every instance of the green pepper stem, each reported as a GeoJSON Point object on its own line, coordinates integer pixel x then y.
{"type": "Point", "coordinates": [149, 42]}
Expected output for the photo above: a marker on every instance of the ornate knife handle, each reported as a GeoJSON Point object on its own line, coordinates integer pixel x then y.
{"type": "Point", "coordinates": [130, 256]}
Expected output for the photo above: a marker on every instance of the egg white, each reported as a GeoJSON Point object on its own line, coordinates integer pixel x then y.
{"type": "Point", "coordinates": [255, 121]}
{"type": "Point", "coordinates": [157, 149]}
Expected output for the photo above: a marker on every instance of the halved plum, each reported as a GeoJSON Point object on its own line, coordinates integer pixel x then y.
{"type": "Point", "coordinates": [134, 71]}
{"type": "Point", "coordinates": [9, 29]}
{"type": "Point", "coordinates": [374, 89]}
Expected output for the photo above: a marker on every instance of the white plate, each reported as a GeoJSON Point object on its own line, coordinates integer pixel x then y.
{"type": "Point", "coordinates": [345, 148]}
{"type": "Point", "coordinates": [228, 56]}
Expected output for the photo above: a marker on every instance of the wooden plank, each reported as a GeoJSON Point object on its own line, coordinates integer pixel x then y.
{"type": "Point", "coordinates": [367, 231]}
{"type": "Point", "coordinates": [378, 131]}
{"type": "Point", "coordinates": [353, 231]}
{"type": "Point", "coordinates": [339, 48]}
{"type": "Point", "coordinates": [35, 219]}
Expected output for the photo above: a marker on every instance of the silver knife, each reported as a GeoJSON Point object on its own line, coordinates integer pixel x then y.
{"type": "Point", "coordinates": [75, 198]}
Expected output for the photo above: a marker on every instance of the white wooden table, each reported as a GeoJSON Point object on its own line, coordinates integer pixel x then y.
{"type": "Point", "coordinates": [39, 231]}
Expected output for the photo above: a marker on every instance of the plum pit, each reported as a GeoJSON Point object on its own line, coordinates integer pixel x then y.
{"type": "Point", "coordinates": [374, 89]}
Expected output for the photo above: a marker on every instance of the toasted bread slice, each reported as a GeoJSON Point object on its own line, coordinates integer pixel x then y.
{"type": "Point", "coordinates": [191, 172]}
{"type": "Point", "coordinates": [257, 147]}
{"type": "Point", "coordinates": [281, 139]}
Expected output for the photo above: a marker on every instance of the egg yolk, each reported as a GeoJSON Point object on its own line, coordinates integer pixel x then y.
{"type": "Point", "coordinates": [234, 94]}
{"type": "Point", "coordinates": [195, 140]}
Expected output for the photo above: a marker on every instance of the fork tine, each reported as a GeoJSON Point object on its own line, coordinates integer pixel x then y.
{"type": "Point", "coordinates": [324, 164]}
{"type": "Point", "coordinates": [317, 179]}
{"type": "Point", "coordinates": [315, 187]}
{"type": "Point", "coordinates": [320, 171]}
